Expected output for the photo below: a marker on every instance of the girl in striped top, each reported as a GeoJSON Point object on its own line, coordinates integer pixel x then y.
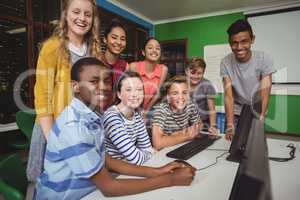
{"type": "Point", "coordinates": [126, 134]}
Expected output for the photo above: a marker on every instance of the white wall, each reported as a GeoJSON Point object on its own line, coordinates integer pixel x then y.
{"type": "Point", "coordinates": [279, 35]}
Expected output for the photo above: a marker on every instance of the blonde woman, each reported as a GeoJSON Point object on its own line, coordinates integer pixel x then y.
{"type": "Point", "coordinates": [76, 36]}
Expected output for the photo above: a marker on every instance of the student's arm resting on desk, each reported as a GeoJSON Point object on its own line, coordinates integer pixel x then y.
{"type": "Point", "coordinates": [118, 187]}
{"type": "Point", "coordinates": [228, 107]}
{"type": "Point", "coordinates": [160, 139]}
{"type": "Point", "coordinates": [266, 84]}
{"type": "Point", "coordinates": [126, 168]}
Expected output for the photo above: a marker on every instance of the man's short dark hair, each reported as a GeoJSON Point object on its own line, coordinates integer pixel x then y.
{"type": "Point", "coordinates": [79, 64]}
{"type": "Point", "coordinates": [239, 25]}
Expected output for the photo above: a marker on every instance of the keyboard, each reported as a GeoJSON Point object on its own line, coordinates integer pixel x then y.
{"type": "Point", "coordinates": [189, 149]}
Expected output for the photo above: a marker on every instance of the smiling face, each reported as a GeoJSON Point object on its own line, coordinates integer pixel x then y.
{"type": "Point", "coordinates": [116, 40]}
{"type": "Point", "coordinates": [95, 87]}
{"type": "Point", "coordinates": [152, 51]}
{"type": "Point", "coordinates": [79, 18]}
{"type": "Point", "coordinates": [177, 96]}
{"type": "Point", "coordinates": [131, 93]}
{"type": "Point", "coordinates": [240, 44]}
{"type": "Point", "coordinates": [195, 75]}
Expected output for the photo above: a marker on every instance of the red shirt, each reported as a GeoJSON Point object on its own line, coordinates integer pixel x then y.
{"type": "Point", "coordinates": [118, 68]}
{"type": "Point", "coordinates": [151, 81]}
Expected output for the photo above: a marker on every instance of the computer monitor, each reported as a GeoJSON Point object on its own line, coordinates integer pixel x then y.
{"type": "Point", "coordinates": [252, 181]}
{"type": "Point", "coordinates": [240, 137]}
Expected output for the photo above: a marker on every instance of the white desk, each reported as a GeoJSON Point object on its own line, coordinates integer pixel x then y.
{"type": "Point", "coordinates": [285, 176]}
{"type": "Point", "coordinates": [215, 182]}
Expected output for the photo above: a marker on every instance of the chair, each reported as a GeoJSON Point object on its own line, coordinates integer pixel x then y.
{"type": "Point", "coordinates": [25, 121]}
{"type": "Point", "coordinates": [13, 181]}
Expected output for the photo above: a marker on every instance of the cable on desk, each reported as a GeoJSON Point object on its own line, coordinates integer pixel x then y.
{"type": "Point", "coordinates": [218, 149]}
{"type": "Point", "coordinates": [219, 156]}
{"type": "Point", "coordinates": [292, 154]}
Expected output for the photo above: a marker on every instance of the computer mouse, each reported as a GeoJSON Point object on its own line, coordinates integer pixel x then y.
{"type": "Point", "coordinates": [184, 162]}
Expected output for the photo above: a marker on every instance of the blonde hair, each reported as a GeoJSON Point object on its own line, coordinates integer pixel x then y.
{"type": "Point", "coordinates": [196, 62]}
{"type": "Point", "coordinates": [174, 79]}
{"type": "Point", "coordinates": [92, 37]}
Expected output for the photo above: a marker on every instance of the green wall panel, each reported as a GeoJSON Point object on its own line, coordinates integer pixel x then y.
{"type": "Point", "coordinates": [199, 32]}
{"type": "Point", "coordinates": [283, 114]}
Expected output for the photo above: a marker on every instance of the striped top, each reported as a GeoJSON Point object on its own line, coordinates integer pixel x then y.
{"type": "Point", "coordinates": [126, 139]}
{"type": "Point", "coordinates": [170, 122]}
{"type": "Point", "coordinates": [75, 152]}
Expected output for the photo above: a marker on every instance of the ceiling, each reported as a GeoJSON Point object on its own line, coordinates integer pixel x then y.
{"type": "Point", "coordinates": [162, 11]}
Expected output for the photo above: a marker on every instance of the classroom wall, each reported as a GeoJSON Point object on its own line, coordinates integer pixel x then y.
{"type": "Point", "coordinates": [199, 32]}
{"type": "Point", "coordinates": [283, 109]}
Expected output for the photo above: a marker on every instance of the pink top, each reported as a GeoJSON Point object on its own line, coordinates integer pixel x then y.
{"type": "Point", "coordinates": [151, 81]}
{"type": "Point", "coordinates": [118, 68]}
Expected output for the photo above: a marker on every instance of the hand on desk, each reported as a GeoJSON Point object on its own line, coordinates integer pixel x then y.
{"type": "Point", "coordinates": [192, 131]}
{"type": "Point", "coordinates": [213, 130]}
{"type": "Point", "coordinates": [169, 168]}
{"type": "Point", "coordinates": [182, 176]}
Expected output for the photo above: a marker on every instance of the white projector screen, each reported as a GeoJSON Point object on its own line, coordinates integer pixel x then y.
{"type": "Point", "coordinates": [278, 34]}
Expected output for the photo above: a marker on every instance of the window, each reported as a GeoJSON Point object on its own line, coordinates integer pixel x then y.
{"type": "Point", "coordinates": [23, 25]}
{"type": "Point", "coordinates": [174, 56]}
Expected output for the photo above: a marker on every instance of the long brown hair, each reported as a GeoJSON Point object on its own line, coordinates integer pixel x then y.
{"type": "Point", "coordinates": [92, 37]}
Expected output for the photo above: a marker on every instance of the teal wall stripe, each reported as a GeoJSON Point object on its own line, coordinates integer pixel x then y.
{"type": "Point", "coordinates": [119, 11]}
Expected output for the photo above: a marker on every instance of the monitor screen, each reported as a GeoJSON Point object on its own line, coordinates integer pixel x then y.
{"type": "Point", "coordinates": [239, 140]}
{"type": "Point", "coordinates": [252, 181]}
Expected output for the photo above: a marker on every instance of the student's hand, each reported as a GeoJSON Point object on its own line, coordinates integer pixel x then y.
{"type": "Point", "coordinates": [182, 176]}
{"type": "Point", "coordinates": [213, 132]}
{"type": "Point", "coordinates": [229, 134]}
{"type": "Point", "coordinates": [168, 168]}
{"type": "Point", "coordinates": [191, 132]}
{"type": "Point", "coordinates": [262, 118]}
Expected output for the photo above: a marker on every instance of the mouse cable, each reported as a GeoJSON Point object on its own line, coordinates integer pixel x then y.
{"type": "Point", "coordinates": [292, 148]}
{"type": "Point", "coordinates": [217, 149]}
{"type": "Point", "coordinates": [219, 156]}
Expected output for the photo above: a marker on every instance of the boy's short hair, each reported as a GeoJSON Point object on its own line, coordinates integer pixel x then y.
{"type": "Point", "coordinates": [195, 62]}
{"type": "Point", "coordinates": [79, 64]}
{"type": "Point", "coordinates": [239, 25]}
{"type": "Point", "coordinates": [174, 79]}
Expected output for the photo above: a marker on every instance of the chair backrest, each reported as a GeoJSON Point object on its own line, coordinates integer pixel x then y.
{"type": "Point", "coordinates": [25, 121]}
{"type": "Point", "coordinates": [9, 193]}
{"type": "Point", "coordinates": [12, 173]}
